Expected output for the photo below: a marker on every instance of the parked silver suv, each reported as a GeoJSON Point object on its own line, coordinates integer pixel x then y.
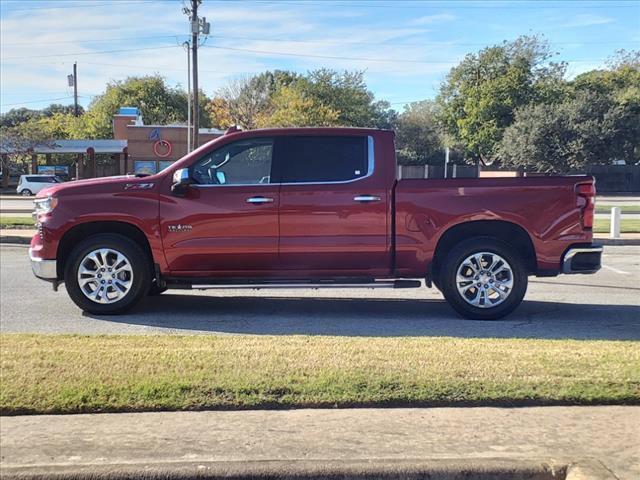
{"type": "Point", "coordinates": [32, 184]}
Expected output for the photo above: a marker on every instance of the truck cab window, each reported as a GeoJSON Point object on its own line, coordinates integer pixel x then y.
{"type": "Point", "coordinates": [245, 162]}
{"type": "Point", "coordinates": [322, 159]}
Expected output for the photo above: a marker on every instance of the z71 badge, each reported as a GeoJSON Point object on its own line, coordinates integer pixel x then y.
{"type": "Point", "coordinates": [179, 228]}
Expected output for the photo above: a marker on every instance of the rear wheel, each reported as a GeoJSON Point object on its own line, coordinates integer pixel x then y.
{"type": "Point", "coordinates": [483, 278]}
{"type": "Point", "coordinates": [26, 192]}
{"type": "Point", "coordinates": [107, 274]}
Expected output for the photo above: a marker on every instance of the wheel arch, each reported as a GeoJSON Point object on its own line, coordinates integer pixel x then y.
{"type": "Point", "coordinates": [508, 232]}
{"type": "Point", "coordinates": [84, 230]}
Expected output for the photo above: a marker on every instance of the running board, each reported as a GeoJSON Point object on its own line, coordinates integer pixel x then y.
{"type": "Point", "coordinates": [260, 286]}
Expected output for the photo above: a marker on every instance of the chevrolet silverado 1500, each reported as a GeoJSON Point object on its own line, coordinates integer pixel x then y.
{"type": "Point", "coordinates": [310, 207]}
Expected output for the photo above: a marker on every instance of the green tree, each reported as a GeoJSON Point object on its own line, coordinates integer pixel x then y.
{"type": "Point", "coordinates": [158, 102]}
{"type": "Point", "coordinates": [591, 128]}
{"type": "Point", "coordinates": [16, 116]}
{"type": "Point", "coordinates": [418, 139]}
{"type": "Point", "coordinates": [479, 97]}
{"type": "Point", "coordinates": [289, 107]}
{"type": "Point", "coordinates": [621, 79]}
{"type": "Point", "coordinates": [17, 143]}
{"type": "Point", "coordinates": [346, 92]}
{"type": "Point", "coordinates": [258, 100]}
{"type": "Point", "coordinates": [246, 99]}
{"type": "Point", "coordinates": [598, 121]}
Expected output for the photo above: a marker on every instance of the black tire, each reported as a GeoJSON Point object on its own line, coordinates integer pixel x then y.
{"type": "Point", "coordinates": [140, 266]}
{"type": "Point", "coordinates": [26, 192]}
{"type": "Point", "coordinates": [455, 259]}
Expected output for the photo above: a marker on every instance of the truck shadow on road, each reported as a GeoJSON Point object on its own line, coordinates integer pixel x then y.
{"type": "Point", "coordinates": [378, 317]}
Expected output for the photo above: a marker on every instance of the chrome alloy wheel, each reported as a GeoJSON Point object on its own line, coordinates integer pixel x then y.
{"type": "Point", "coordinates": [484, 279]}
{"type": "Point", "coordinates": [105, 275]}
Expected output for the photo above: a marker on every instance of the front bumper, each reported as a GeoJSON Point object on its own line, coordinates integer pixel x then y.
{"type": "Point", "coordinates": [44, 269]}
{"type": "Point", "coordinates": [582, 259]}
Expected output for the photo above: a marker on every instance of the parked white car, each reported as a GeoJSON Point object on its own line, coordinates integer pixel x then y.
{"type": "Point", "coordinates": [32, 184]}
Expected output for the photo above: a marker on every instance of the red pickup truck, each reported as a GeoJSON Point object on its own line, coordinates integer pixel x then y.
{"type": "Point", "coordinates": [310, 207]}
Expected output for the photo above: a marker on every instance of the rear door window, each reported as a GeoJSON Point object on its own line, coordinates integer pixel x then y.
{"type": "Point", "coordinates": [322, 159]}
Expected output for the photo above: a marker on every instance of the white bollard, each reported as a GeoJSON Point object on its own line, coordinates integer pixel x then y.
{"type": "Point", "coordinates": [615, 223]}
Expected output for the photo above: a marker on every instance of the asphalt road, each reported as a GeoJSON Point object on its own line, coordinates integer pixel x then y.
{"type": "Point", "coordinates": [601, 306]}
{"type": "Point", "coordinates": [16, 205]}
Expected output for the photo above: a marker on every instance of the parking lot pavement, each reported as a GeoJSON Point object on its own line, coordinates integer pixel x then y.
{"type": "Point", "coordinates": [601, 306]}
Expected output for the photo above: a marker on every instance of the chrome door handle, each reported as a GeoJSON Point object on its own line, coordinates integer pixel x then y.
{"type": "Point", "coordinates": [259, 200]}
{"type": "Point", "coordinates": [366, 198]}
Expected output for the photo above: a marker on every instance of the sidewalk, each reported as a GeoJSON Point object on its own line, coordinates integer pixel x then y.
{"type": "Point", "coordinates": [145, 442]}
{"type": "Point", "coordinates": [15, 235]}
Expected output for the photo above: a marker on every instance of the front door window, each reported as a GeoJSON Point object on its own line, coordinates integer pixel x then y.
{"type": "Point", "coordinates": [246, 162]}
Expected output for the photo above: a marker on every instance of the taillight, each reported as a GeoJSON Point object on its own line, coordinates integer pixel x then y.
{"type": "Point", "coordinates": [586, 198]}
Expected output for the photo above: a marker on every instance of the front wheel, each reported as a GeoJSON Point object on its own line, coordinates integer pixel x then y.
{"type": "Point", "coordinates": [155, 289]}
{"type": "Point", "coordinates": [483, 278]}
{"type": "Point", "coordinates": [107, 274]}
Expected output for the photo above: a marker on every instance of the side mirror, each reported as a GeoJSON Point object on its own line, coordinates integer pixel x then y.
{"type": "Point", "coordinates": [221, 177]}
{"type": "Point", "coordinates": [181, 182]}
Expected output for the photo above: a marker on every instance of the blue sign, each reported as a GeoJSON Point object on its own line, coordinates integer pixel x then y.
{"type": "Point", "coordinates": [155, 134]}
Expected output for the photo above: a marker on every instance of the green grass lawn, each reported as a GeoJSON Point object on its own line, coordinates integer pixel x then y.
{"type": "Point", "coordinates": [623, 208]}
{"type": "Point", "coordinates": [71, 374]}
{"type": "Point", "coordinates": [627, 225]}
{"type": "Point", "coordinates": [16, 221]}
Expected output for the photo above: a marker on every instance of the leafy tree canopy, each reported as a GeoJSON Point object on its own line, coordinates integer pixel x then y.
{"type": "Point", "coordinates": [290, 107]}
{"type": "Point", "coordinates": [16, 116]}
{"type": "Point", "coordinates": [322, 97]}
{"type": "Point", "coordinates": [418, 138]}
{"type": "Point", "coordinates": [479, 97]}
{"type": "Point", "coordinates": [558, 138]}
{"type": "Point", "coordinates": [243, 100]}
{"type": "Point", "coordinates": [159, 103]}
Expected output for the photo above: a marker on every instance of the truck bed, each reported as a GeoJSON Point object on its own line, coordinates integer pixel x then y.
{"type": "Point", "coordinates": [543, 207]}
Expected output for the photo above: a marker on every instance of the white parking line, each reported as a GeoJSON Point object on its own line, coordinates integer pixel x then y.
{"type": "Point", "coordinates": [622, 272]}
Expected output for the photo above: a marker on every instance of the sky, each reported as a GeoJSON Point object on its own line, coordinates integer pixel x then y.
{"type": "Point", "coordinates": [405, 47]}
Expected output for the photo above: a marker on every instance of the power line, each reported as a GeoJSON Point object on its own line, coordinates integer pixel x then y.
{"type": "Point", "coordinates": [428, 4]}
{"type": "Point", "coordinates": [75, 54]}
{"type": "Point", "coordinates": [102, 40]}
{"type": "Point", "coordinates": [415, 44]}
{"type": "Point", "coordinates": [319, 42]}
{"type": "Point", "coordinates": [366, 59]}
{"type": "Point", "coordinates": [36, 101]}
{"type": "Point", "coordinates": [120, 65]}
{"type": "Point", "coordinates": [333, 57]}
{"type": "Point", "coordinates": [168, 69]}
{"type": "Point", "coordinates": [78, 5]}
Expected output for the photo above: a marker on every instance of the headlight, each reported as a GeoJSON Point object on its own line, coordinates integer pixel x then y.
{"type": "Point", "coordinates": [45, 205]}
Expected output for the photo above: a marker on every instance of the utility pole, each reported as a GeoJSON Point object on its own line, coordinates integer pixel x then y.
{"type": "Point", "coordinates": [195, 32]}
{"type": "Point", "coordinates": [75, 88]}
{"type": "Point", "coordinates": [198, 26]}
{"type": "Point", "coordinates": [187, 46]}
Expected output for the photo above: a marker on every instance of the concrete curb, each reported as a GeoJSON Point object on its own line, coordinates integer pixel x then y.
{"type": "Point", "coordinates": [617, 241]}
{"type": "Point", "coordinates": [391, 469]}
{"type": "Point", "coordinates": [15, 239]}
{"type": "Point", "coordinates": [22, 211]}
